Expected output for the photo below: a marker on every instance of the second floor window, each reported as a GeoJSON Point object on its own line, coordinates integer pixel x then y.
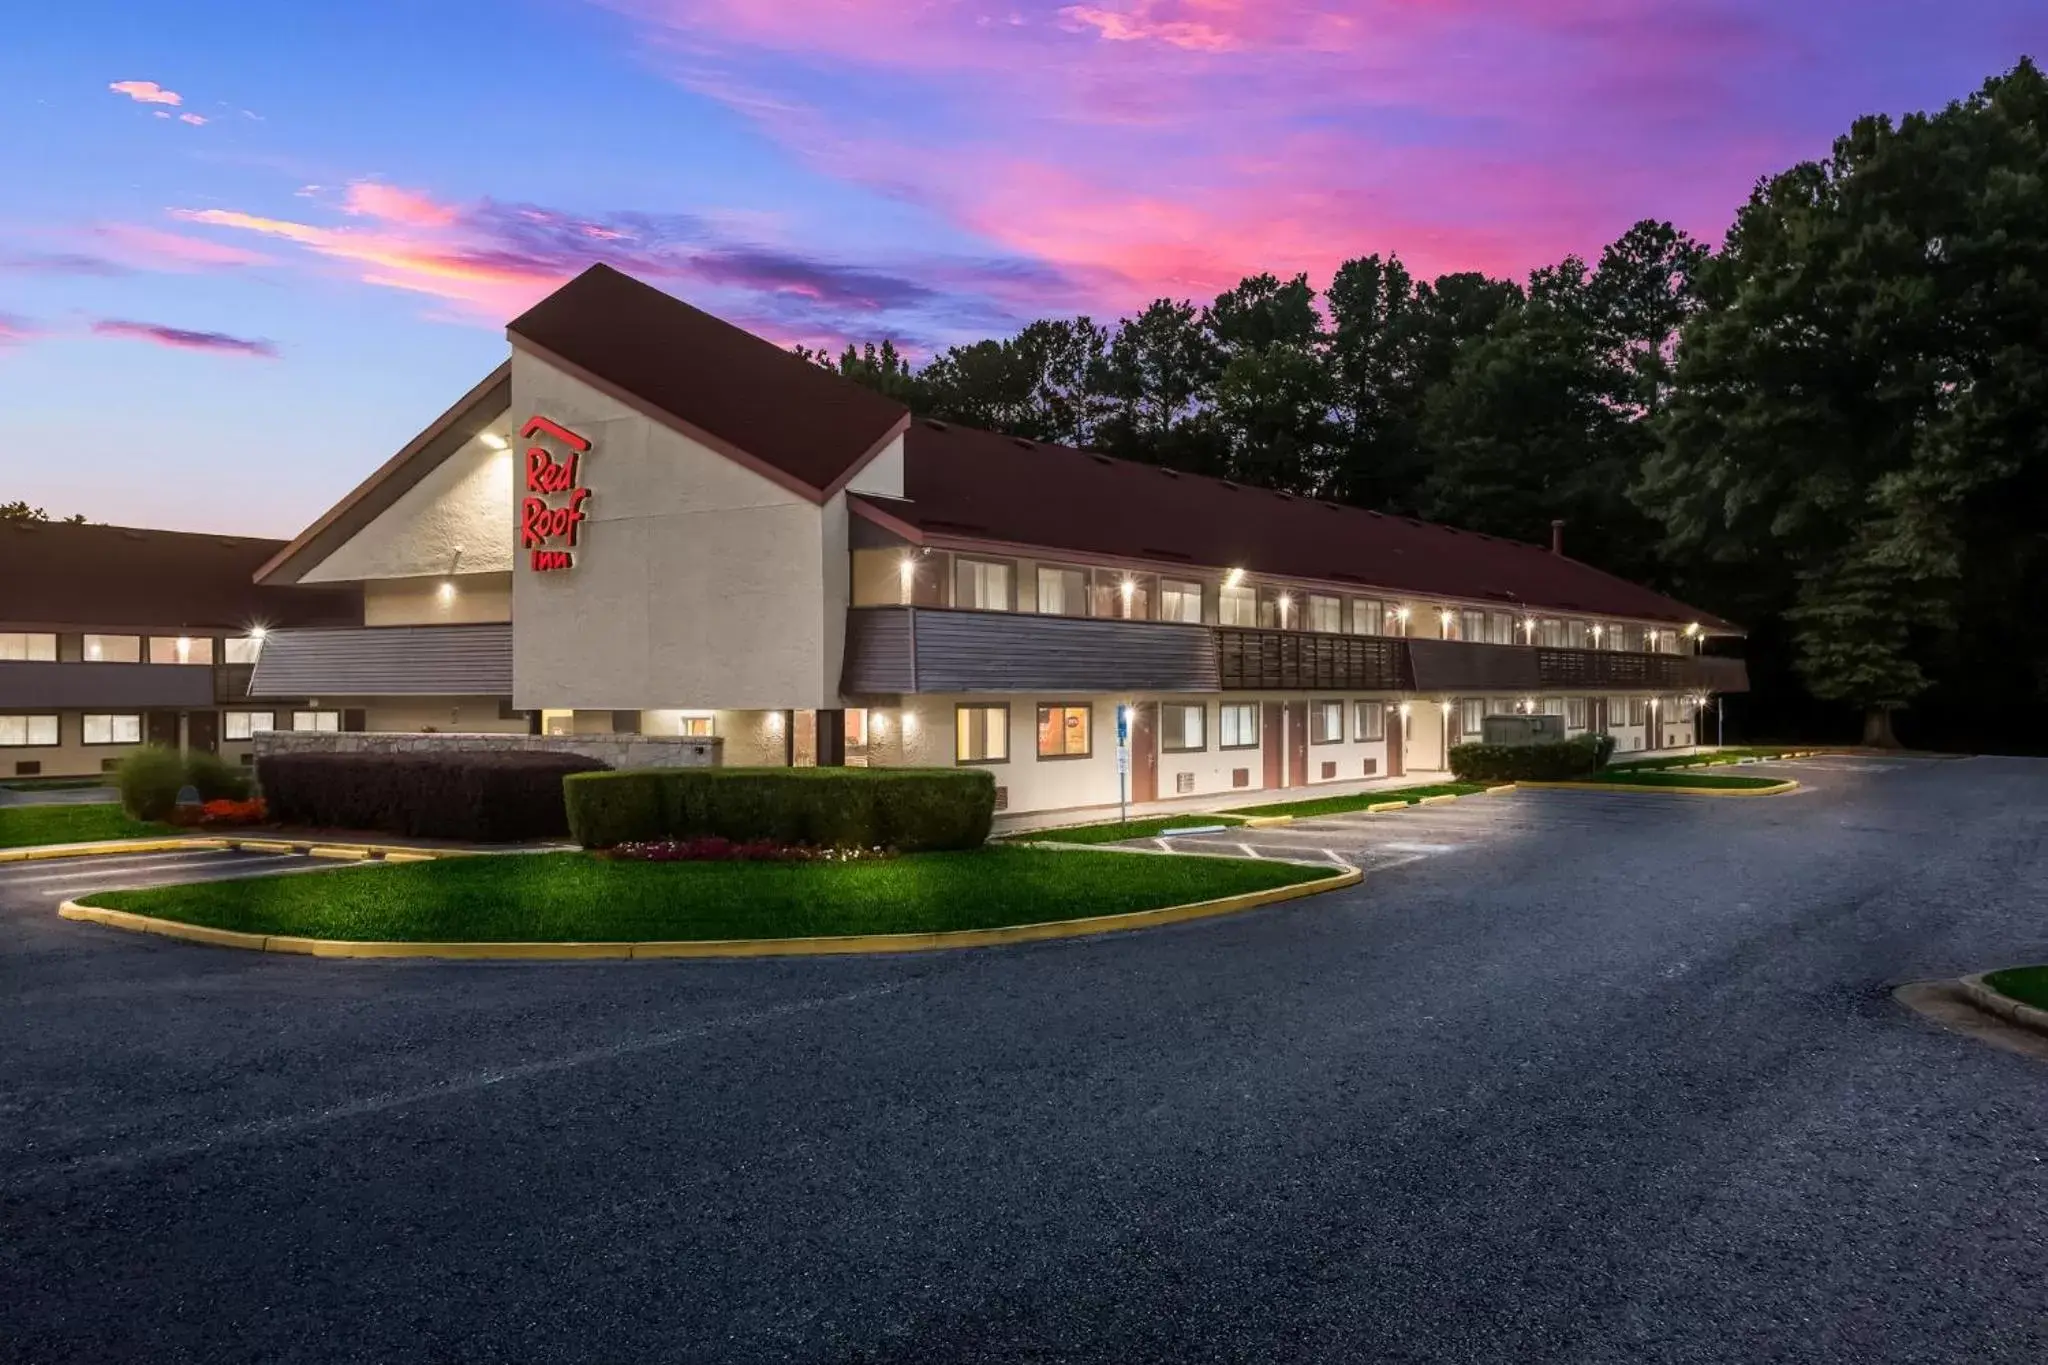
{"type": "Point", "coordinates": [180, 649]}
{"type": "Point", "coordinates": [1278, 610]}
{"type": "Point", "coordinates": [981, 585]}
{"type": "Point", "coordinates": [1237, 725]}
{"type": "Point", "coordinates": [1238, 606]}
{"type": "Point", "coordinates": [1368, 617]}
{"type": "Point", "coordinates": [1326, 722]}
{"type": "Point", "coordinates": [1062, 592]}
{"type": "Point", "coordinates": [1472, 625]}
{"type": "Point", "coordinates": [1550, 632]}
{"type": "Point", "coordinates": [41, 648]}
{"type": "Point", "coordinates": [1326, 614]}
{"type": "Point", "coordinates": [241, 650]}
{"type": "Point", "coordinates": [1181, 728]}
{"type": "Point", "coordinates": [113, 649]}
{"type": "Point", "coordinates": [1180, 601]}
{"type": "Point", "coordinates": [1500, 628]}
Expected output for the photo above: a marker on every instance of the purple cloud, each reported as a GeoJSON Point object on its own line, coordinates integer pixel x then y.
{"type": "Point", "coordinates": [179, 338]}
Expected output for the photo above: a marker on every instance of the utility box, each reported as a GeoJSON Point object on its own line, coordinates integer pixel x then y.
{"type": "Point", "coordinates": [1522, 729]}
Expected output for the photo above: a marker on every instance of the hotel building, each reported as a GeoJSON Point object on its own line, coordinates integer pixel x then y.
{"type": "Point", "coordinates": [647, 520]}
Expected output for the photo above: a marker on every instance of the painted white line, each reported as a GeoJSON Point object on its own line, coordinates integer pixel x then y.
{"type": "Point", "coordinates": [1421, 849]}
{"type": "Point", "coordinates": [1251, 852]}
{"type": "Point", "coordinates": [95, 888]}
{"type": "Point", "coordinates": [99, 873]}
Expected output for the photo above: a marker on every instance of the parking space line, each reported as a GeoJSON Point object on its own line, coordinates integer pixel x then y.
{"type": "Point", "coordinates": [102, 872]}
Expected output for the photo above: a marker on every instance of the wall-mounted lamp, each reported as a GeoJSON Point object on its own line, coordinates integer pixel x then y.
{"type": "Point", "coordinates": [774, 722]}
{"type": "Point", "coordinates": [909, 724]}
{"type": "Point", "coordinates": [447, 590]}
{"type": "Point", "coordinates": [1233, 578]}
{"type": "Point", "coordinates": [258, 632]}
{"type": "Point", "coordinates": [493, 441]}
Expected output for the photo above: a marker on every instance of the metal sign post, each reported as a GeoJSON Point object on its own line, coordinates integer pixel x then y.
{"type": "Point", "coordinates": [1123, 764]}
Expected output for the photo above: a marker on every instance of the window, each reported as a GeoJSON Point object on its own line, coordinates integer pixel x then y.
{"type": "Point", "coordinates": [241, 650]}
{"type": "Point", "coordinates": [1471, 716]}
{"type": "Point", "coordinates": [981, 734]}
{"type": "Point", "coordinates": [981, 584]}
{"type": "Point", "coordinates": [317, 722]}
{"type": "Point", "coordinates": [1063, 730]}
{"type": "Point", "coordinates": [1062, 592]}
{"type": "Point", "coordinates": [113, 729]}
{"type": "Point", "coordinates": [23, 732]}
{"type": "Point", "coordinates": [1550, 706]}
{"type": "Point", "coordinates": [1369, 721]}
{"type": "Point", "coordinates": [1238, 606]}
{"type": "Point", "coordinates": [1181, 728]}
{"type": "Point", "coordinates": [1326, 722]}
{"type": "Point", "coordinates": [1326, 614]}
{"type": "Point", "coordinates": [1500, 628]}
{"type": "Point", "coordinates": [1638, 711]}
{"type": "Point", "coordinates": [1179, 601]}
{"type": "Point", "coordinates": [1367, 617]}
{"type": "Point", "coordinates": [1237, 725]}
{"type": "Point", "coordinates": [243, 724]}
{"type": "Point", "coordinates": [853, 727]}
{"type": "Point", "coordinates": [1575, 634]}
{"type": "Point", "coordinates": [180, 649]}
{"type": "Point", "coordinates": [1279, 609]}
{"type": "Point", "coordinates": [1550, 633]}
{"type": "Point", "coordinates": [113, 649]}
{"type": "Point", "coordinates": [701, 727]}
{"type": "Point", "coordinates": [42, 648]}
{"type": "Point", "coordinates": [1123, 596]}
{"type": "Point", "coordinates": [1472, 625]}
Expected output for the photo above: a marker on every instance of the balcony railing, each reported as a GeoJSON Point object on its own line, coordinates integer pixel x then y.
{"type": "Point", "coordinates": [933, 649]}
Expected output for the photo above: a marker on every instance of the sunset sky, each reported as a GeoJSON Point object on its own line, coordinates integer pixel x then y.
{"type": "Point", "coordinates": [250, 249]}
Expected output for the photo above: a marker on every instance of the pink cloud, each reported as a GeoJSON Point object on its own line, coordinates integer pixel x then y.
{"type": "Point", "coordinates": [15, 330]}
{"type": "Point", "coordinates": [179, 338]}
{"type": "Point", "coordinates": [196, 120]}
{"type": "Point", "coordinates": [147, 248]}
{"type": "Point", "coordinates": [373, 199]}
{"type": "Point", "coordinates": [146, 92]}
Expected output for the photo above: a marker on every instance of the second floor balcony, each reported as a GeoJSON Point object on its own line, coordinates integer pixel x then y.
{"type": "Point", "coordinates": [896, 650]}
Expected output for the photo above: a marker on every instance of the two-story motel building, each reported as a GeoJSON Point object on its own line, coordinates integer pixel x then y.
{"type": "Point", "coordinates": [650, 520]}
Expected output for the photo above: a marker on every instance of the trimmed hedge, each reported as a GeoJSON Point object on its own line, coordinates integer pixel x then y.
{"type": "Point", "coordinates": [482, 797]}
{"type": "Point", "coordinates": [150, 779]}
{"type": "Point", "coordinates": [1555, 761]}
{"type": "Point", "coordinates": [216, 779]}
{"type": "Point", "coordinates": [912, 810]}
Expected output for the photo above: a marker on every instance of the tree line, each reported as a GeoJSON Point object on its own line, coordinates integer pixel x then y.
{"type": "Point", "coordinates": [1833, 428]}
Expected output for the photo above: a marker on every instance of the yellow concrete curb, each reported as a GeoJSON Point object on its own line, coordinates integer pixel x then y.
{"type": "Point", "coordinates": [1436, 800]}
{"type": "Point", "coordinates": [1382, 807]}
{"type": "Point", "coordinates": [1266, 821]}
{"type": "Point", "coordinates": [109, 846]}
{"type": "Point", "coordinates": [1502, 790]}
{"type": "Point", "coordinates": [765, 947]}
{"type": "Point", "coordinates": [1779, 790]}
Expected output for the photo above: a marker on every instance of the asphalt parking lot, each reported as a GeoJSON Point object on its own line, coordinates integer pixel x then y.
{"type": "Point", "coordinates": [1592, 1078]}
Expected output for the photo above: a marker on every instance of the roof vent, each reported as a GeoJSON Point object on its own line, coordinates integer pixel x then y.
{"type": "Point", "coordinates": [133, 535]}
{"type": "Point", "coordinates": [1028, 445]}
{"type": "Point", "coordinates": [935, 424]}
{"type": "Point", "coordinates": [1284, 497]}
{"type": "Point", "coordinates": [1332, 507]}
{"type": "Point", "coordinates": [1169, 473]}
{"type": "Point", "coordinates": [1228, 484]}
{"type": "Point", "coordinates": [1100, 459]}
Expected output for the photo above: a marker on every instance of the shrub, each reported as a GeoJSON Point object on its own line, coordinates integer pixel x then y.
{"type": "Point", "coordinates": [485, 797]}
{"type": "Point", "coordinates": [907, 809]}
{"type": "Point", "coordinates": [149, 780]}
{"type": "Point", "coordinates": [216, 779]}
{"type": "Point", "coordinates": [1556, 761]}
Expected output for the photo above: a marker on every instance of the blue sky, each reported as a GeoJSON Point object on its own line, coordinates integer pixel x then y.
{"type": "Point", "coordinates": [220, 312]}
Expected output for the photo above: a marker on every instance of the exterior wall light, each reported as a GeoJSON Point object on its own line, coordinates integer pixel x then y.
{"type": "Point", "coordinates": [493, 441]}
{"type": "Point", "coordinates": [1233, 578]}
{"type": "Point", "coordinates": [1445, 618]}
{"type": "Point", "coordinates": [1529, 628]}
{"type": "Point", "coordinates": [909, 723]}
{"type": "Point", "coordinates": [447, 590]}
{"type": "Point", "coordinates": [184, 649]}
{"type": "Point", "coordinates": [258, 632]}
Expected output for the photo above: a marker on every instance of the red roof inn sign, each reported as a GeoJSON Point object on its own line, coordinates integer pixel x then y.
{"type": "Point", "coordinates": [547, 528]}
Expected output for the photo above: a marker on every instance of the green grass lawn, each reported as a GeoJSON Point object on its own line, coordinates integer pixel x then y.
{"type": "Point", "coordinates": [1717, 759]}
{"type": "Point", "coordinates": [1640, 777]}
{"type": "Point", "coordinates": [51, 784]}
{"type": "Point", "coordinates": [549, 897]}
{"type": "Point", "coordinates": [26, 826]}
{"type": "Point", "coordinates": [2028, 985]}
{"type": "Point", "coordinates": [1112, 832]}
{"type": "Point", "coordinates": [1339, 805]}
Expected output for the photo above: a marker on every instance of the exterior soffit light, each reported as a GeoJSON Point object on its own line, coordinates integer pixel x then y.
{"type": "Point", "coordinates": [493, 441]}
{"type": "Point", "coordinates": [1233, 578]}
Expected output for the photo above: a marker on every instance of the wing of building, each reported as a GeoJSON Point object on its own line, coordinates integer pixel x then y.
{"type": "Point", "coordinates": [112, 636]}
{"type": "Point", "coordinates": [650, 520]}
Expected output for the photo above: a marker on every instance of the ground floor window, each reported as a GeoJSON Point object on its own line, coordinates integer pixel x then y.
{"type": "Point", "coordinates": [1326, 722]}
{"type": "Point", "coordinates": [317, 722]}
{"type": "Point", "coordinates": [1182, 728]}
{"type": "Point", "coordinates": [981, 734]}
{"type": "Point", "coordinates": [243, 724]}
{"type": "Point", "coordinates": [1369, 721]}
{"type": "Point", "coordinates": [23, 732]}
{"type": "Point", "coordinates": [100, 729]}
{"type": "Point", "coordinates": [1238, 725]}
{"type": "Point", "coordinates": [1638, 711]}
{"type": "Point", "coordinates": [1574, 713]}
{"type": "Point", "coordinates": [1064, 730]}
{"type": "Point", "coordinates": [1471, 716]}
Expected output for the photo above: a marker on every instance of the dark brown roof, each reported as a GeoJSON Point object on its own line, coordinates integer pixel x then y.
{"type": "Point", "coordinates": [71, 575]}
{"type": "Point", "coordinates": [972, 485]}
{"type": "Point", "coordinates": [801, 425]}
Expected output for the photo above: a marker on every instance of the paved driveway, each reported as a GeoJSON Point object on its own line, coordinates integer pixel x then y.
{"type": "Point", "coordinates": [1606, 1082]}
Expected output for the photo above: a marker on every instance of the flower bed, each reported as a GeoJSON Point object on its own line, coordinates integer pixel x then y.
{"type": "Point", "coordinates": [711, 848]}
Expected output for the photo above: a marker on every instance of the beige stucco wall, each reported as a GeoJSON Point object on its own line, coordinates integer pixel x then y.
{"type": "Point", "coordinates": [451, 521]}
{"type": "Point", "coordinates": [462, 599]}
{"type": "Point", "coordinates": [697, 582]}
{"type": "Point", "coordinates": [883, 475]}
{"type": "Point", "coordinates": [452, 715]}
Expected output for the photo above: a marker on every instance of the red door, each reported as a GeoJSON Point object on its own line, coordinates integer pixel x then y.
{"type": "Point", "coordinates": [1144, 751]}
{"type": "Point", "coordinates": [1395, 724]}
{"type": "Point", "coordinates": [1269, 743]}
{"type": "Point", "coordinates": [1297, 743]}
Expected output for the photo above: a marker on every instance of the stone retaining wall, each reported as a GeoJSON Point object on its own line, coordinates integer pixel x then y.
{"type": "Point", "coordinates": [620, 751]}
